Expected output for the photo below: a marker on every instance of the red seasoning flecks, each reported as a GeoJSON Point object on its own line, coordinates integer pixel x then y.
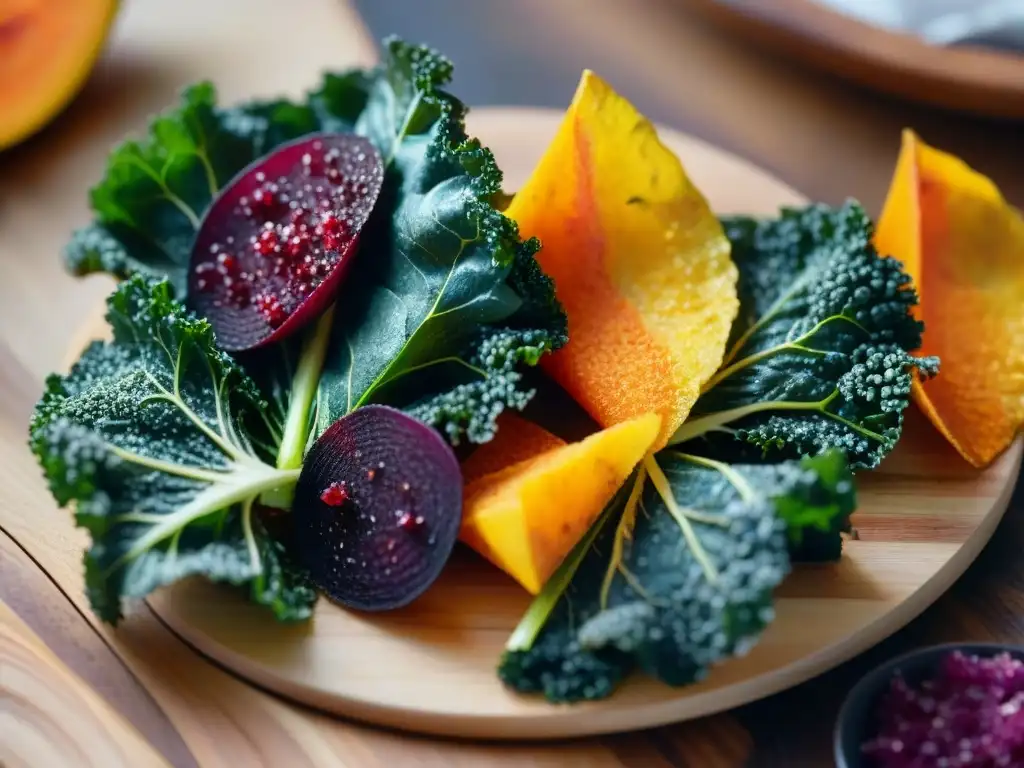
{"type": "Point", "coordinates": [408, 522]}
{"type": "Point", "coordinates": [273, 247]}
{"type": "Point", "coordinates": [334, 495]}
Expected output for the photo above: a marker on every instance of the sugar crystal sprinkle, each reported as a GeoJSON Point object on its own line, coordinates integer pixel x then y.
{"type": "Point", "coordinates": [969, 715]}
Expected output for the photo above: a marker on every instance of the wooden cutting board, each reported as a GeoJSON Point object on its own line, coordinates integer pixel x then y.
{"type": "Point", "coordinates": [923, 517]}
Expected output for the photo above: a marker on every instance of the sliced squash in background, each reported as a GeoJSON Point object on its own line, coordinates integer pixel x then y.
{"type": "Point", "coordinates": [964, 246]}
{"type": "Point", "coordinates": [526, 517]}
{"type": "Point", "coordinates": [47, 50]}
{"type": "Point", "coordinates": [639, 261]}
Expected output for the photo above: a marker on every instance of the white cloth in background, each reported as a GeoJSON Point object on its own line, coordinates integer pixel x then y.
{"type": "Point", "coordinates": [992, 23]}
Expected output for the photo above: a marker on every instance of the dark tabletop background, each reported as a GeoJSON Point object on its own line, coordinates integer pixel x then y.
{"type": "Point", "coordinates": [828, 139]}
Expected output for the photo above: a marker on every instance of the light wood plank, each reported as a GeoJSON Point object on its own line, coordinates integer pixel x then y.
{"type": "Point", "coordinates": [56, 620]}
{"type": "Point", "coordinates": [49, 716]}
{"type": "Point", "coordinates": [961, 78]}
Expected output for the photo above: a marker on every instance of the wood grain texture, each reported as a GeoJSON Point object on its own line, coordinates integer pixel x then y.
{"type": "Point", "coordinates": [48, 613]}
{"type": "Point", "coordinates": [922, 519]}
{"type": "Point", "coordinates": [50, 717]}
{"type": "Point", "coordinates": [959, 78]}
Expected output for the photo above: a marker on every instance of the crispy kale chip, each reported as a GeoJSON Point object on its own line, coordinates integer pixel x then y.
{"type": "Point", "coordinates": [157, 438]}
{"type": "Point", "coordinates": [447, 303]}
{"type": "Point", "coordinates": [820, 356]}
{"type": "Point", "coordinates": [154, 194]}
{"type": "Point", "coordinates": [675, 576]}
{"type": "Point", "coordinates": [453, 297]}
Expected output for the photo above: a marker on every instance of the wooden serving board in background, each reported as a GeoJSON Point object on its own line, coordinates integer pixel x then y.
{"type": "Point", "coordinates": [922, 518]}
{"type": "Point", "coordinates": [963, 78]}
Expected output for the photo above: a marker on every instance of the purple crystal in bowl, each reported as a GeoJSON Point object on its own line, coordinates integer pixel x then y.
{"type": "Point", "coordinates": [944, 707]}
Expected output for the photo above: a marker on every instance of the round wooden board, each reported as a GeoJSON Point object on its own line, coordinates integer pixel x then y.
{"type": "Point", "coordinates": [922, 517]}
{"type": "Point", "coordinates": [971, 79]}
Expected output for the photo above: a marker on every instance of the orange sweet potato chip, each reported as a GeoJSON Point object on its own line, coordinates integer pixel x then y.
{"type": "Point", "coordinates": [640, 263]}
{"type": "Point", "coordinates": [964, 246]}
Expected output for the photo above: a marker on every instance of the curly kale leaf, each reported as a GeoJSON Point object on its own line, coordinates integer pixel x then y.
{"type": "Point", "coordinates": [150, 202]}
{"type": "Point", "coordinates": [477, 394]}
{"type": "Point", "coordinates": [676, 576]}
{"type": "Point", "coordinates": [820, 355]}
{"type": "Point", "coordinates": [157, 438]}
{"type": "Point", "coordinates": [452, 296]}
{"type": "Point", "coordinates": [341, 99]}
{"type": "Point", "coordinates": [471, 404]}
{"type": "Point", "coordinates": [445, 288]}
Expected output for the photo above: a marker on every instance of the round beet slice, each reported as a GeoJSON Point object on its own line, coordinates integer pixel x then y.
{"type": "Point", "coordinates": [377, 509]}
{"type": "Point", "coordinates": [274, 245]}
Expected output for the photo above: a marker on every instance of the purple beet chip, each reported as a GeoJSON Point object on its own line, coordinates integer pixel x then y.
{"type": "Point", "coordinates": [377, 509]}
{"type": "Point", "coordinates": [274, 246]}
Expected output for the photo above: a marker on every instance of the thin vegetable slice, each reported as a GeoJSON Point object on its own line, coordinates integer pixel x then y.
{"type": "Point", "coordinates": [47, 51]}
{"type": "Point", "coordinates": [377, 509]}
{"type": "Point", "coordinates": [964, 246]}
{"type": "Point", "coordinates": [155, 189]}
{"type": "Point", "coordinates": [525, 518]}
{"type": "Point", "coordinates": [639, 262]}
{"type": "Point", "coordinates": [274, 245]}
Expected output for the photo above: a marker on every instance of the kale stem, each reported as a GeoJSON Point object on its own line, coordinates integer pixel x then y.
{"type": "Point", "coordinates": [797, 345]}
{"type": "Point", "coordinates": [304, 387]}
{"type": "Point", "coordinates": [798, 285]}
{"type": "Point", "coordinates": [623, 531]}
{"type": "Point", "coordinates": [703, 424]}
{"type": "Point", "coordinates": [746, 362]}
{"type": "Point", "coordinates": [715, 421]}
{"type": "Point", "coordinates": [680, 514]}
{"type": "Point", "coordinates": [238, 486]}
{"type": "Point", "coordinates": [736, 480]}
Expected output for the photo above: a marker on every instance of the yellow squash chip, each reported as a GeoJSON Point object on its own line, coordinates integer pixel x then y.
{"type": "Point", "coordinates": [964, 246]}
{"type": "Point", "coordinates": [640, 263]}
{"type": "Point", "coordinates": [526, 517]}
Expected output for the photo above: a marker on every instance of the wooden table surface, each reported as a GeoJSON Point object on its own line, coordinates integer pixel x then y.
{"type": "Point", "coordinates": [76, 693]}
